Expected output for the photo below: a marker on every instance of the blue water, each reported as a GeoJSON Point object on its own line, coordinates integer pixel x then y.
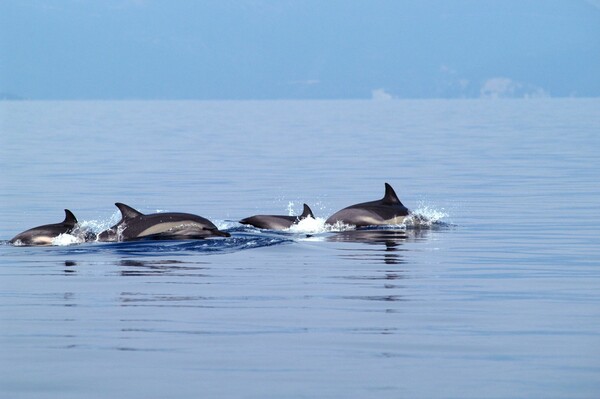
{"type": "Point", "coordinates": [497, 297]}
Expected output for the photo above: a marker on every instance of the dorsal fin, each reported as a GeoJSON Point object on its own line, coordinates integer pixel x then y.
{"type": "Point", "coordinates": [306, 212]}
{"type": "Point", "coordinates": [127, 212]}
{"type": "Point", "coordinates": [70, 219]}
{"type": "Point", "coordinates": [390, 197]}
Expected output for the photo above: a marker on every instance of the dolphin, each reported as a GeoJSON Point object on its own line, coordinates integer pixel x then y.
{"type": "Point", "coordinates": [43, 235]}
{"type": "Point", "coordinates": [388, 210]}
{"type": "Point", "coordinates": [276, 222]}
{"type": "Point", "coordinates": [134, 225]}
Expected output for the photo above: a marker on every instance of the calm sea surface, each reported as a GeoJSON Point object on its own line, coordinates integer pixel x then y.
{"type": "Point", "coordinates": [498, 297]}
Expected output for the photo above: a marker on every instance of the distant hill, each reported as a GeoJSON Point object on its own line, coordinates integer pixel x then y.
{"type": "Point", "coordinates": [10, 97]}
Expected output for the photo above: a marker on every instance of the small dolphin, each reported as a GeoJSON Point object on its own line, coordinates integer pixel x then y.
{"type": "Point", "coordinates": [388, 210]}
{"type": "Point", "coordinates": [43, 235]}
{"type": "Point", "coordinates": [135, 225]}
{"type": "Point", "coordinates": [276, 222]}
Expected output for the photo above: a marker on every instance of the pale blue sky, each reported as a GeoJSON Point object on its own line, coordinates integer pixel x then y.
{"type": "Point", "coordinates": [260, 49]}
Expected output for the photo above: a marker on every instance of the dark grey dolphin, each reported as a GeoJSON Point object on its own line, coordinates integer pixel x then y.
{"type": "Point", "coordinates": [276, 222]}
{"type": "Point", "coordinates": [388, 210]}
{"type": "Point", "coordinates": [43, 235]}
{"type": "Point", "coordinates": [134, 225]}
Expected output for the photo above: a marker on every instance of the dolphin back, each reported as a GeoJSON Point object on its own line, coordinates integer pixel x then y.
{"type": "Point", "coordinates": [270, 222]}
{"type": "Point", "coordinates": [135, 225]}
{"type": "Point", "coordinates": [127, 212]}
{"type": "Point", "coordinates": [390, 197]}
{"type": "Point", "coordinates": [277, 222]}
{"type": "Point", "coordinates": [70, 219]}
{"type": "Point", "coordinates": [388, 210]}
{"type": "Point", "coordinates": [306, 212]}
{"type": "Point", "coordinates": [43, 235]}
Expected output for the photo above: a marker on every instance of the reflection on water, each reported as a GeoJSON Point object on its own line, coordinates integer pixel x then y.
{"type": "Point", "coordinates": [371, 236]}
{"type": "Point", "coordinates": [385, 298]}
{"type": "Point", "coordinates": [149, 267]}
{"type": "Point", "coordinates": [390, 241]}
{"type": "Point", "coordinates": [70, 267]}
{"type": "Point", "coordinates": [145, 267]}
{"type": "Point", "coordinates": [160, 300]}
{"type": "Point", "coordinates": [376, 246]}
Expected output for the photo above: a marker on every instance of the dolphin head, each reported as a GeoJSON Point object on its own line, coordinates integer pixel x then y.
{"type": "Point", "coordinates": [115, 233]}
{"type": "Point", "coordinates": [108, 235]}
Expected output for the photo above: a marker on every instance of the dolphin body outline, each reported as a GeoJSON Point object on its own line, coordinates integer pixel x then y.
{"type": "Point", "coordinates": [43, 235]}
{"type": "Point", "coordinates": [277, 222]}
{"type": "Point", "coordinates": [135, 225]}
{"type": "Point", "coordinates": [386, 211]}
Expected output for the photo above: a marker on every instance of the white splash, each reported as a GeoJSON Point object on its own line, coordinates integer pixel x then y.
{"type": "Point", "coordinates": [225, 224]}
{"type": "Point", "coordinates": [99, 225]}
{"type": "Point", "coordinates": [340, 226]}
{"type": "Point", "coordinates": [425, 216]}
{"type": "Point", "coordinates": [95, 225]}
{"type": "Point", "coordinates": [290, 208]}
{"type": "Point", "coordinates": [66, 239]}
{"type": "Point", "coordinates": [310, 225]}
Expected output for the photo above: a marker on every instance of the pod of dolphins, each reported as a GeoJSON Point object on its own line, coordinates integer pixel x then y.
{"type": "Point", "coordinates": [135, 225]}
